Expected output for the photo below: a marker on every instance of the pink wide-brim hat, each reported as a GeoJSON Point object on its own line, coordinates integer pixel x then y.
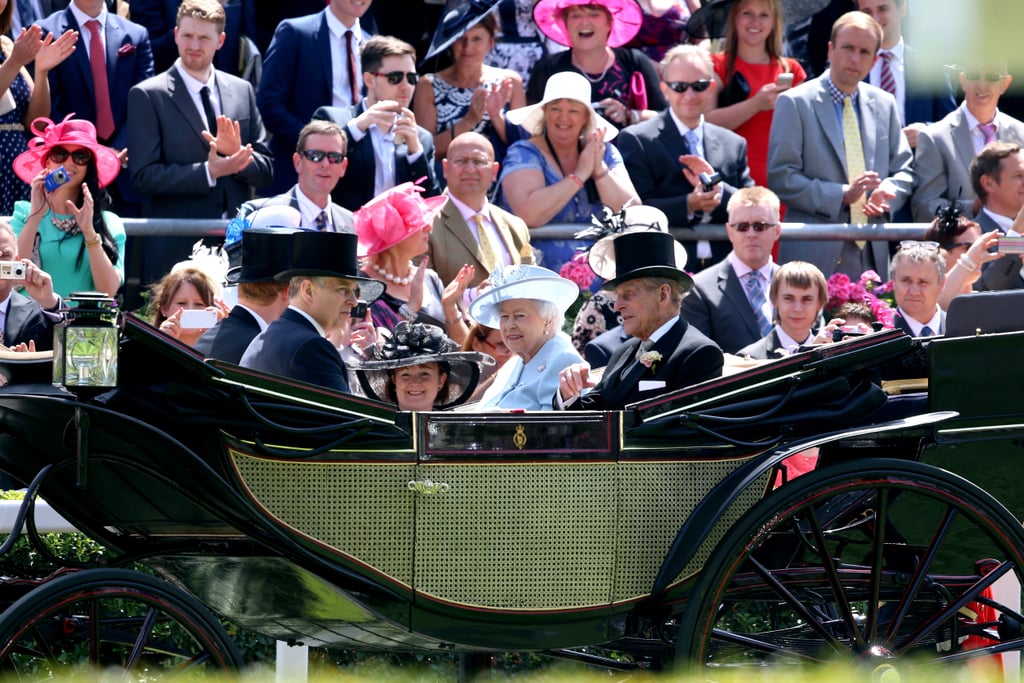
{"type": "Point", "coordinates": [393, 215]}
{"type": "Point", "coordinates": [70, 132]}
{"type": "Point", "coordinates": [626, 19]}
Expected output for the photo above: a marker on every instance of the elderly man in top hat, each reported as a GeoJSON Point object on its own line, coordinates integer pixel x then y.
{"type": "Point", "coordinates": [261, 299]}
{"type": "Point", "coordinates": [665, 353]}
{"type": "Point", "coordinates": [323, 286]}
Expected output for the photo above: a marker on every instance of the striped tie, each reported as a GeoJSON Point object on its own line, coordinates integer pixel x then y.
{"type": "Point", "coordinates": [888, 80]}
{"type": "Point", "coordinates": [854, 159]}
{"type": "Point", "coordinates": [755, 294]}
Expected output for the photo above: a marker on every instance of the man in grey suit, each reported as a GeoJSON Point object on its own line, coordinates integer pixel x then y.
{"type": "Point", "coordinates": [196, 142]}
{"type": "Point", "coordinates": [997, 176]}
{"type": "Point", "coordinates": [723, 303]}
{"type": "Point", "coordinates": [666, 155]}
{"type": "Point", "coordinates": [386, 147]}
{"type": "Point", "coordinates": [945, 149]}
{"type": "Point", "coordinates": [813, 172]}
{"type": "Point", "coordinates": [455, 237]}
{"type": "Point", "coordinates": [320, 162]}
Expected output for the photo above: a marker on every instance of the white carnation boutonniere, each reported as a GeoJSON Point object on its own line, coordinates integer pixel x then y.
{"type": "Point", "coordinates": [650, 359]}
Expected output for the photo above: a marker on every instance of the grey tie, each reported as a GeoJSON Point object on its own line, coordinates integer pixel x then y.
{"type": "Point", "coordinates": [644, 347]}
{"type": "Point", "coordinates": [693, 144]}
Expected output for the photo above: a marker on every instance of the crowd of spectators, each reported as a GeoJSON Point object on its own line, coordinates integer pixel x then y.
{"type": "Point", "coordinates": [327, 119]}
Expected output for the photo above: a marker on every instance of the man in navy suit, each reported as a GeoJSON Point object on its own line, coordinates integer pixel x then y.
{"type": "Point", "coordinates": [722, 301]}
{"type": "Point", "coordinates": [918, 271]}
{"type": "Point", "coordinates": [666, 155]}
{"type": "Point", "coordinates": [128, 60]}
{"type": "Point", "coordinates": [160, 17]}
{"type": "Point", "coordinates": [386, 147]}
{"type": "Point", "coordinates": [665, 353]}
{"type": "Point", "coordinates": [310, 63]}
{"type": "Point", "coordinates": [919, 104]}
{"type": "Point", "coordinates": [261, 299]}
{"type": "Point", "coordinates": [323, 286]}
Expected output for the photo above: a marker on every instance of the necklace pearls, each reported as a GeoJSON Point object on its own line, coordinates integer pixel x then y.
{"type": "Point", "coordinates": [391, 277]}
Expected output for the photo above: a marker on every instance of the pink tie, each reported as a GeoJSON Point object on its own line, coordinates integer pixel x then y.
{"type": "Point", "coordinates": [98, 65]}
{"type": "Point", "coordinates": [888, 82]}
{"type": "Point", "coordinates": [988, 132]}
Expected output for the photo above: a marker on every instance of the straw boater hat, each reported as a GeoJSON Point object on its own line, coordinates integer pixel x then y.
{"type": "Point", "coordinates": [416, 344]}
{"type": "Point", "coordinates": [567, 85]}
{"type": "Point", "coordinates": [522, 282]}
{"type": "Point", "coordinates": [626, 19]}
{"type": "Point", "coordinates": [329, 254]}
{"type": "Point", "coordinates": [71, 132]}
{"type": "Point", "coordinates": [393, 215]}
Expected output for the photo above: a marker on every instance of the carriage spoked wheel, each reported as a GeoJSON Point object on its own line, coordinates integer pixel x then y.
{"type": "Point", "coordinates": [112, 619]}
{"type": "Point", "coordinates": [885, 563]}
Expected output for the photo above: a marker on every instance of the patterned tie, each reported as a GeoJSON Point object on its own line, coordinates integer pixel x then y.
{"type": "Point", "coordinates": [926, 331]}
{"type": "Point", "coordinates": [988, 132]}
{"type": "Point", "coordinates": [353, 77]}
{"type": "Point", "coordinates": [101, 89]}
{"type": "Point", "coordinates": [854, 159]}
{"type": "Point", "coordinates": [487, 250]}
{"type": "Point", "coordinates": [692, 143]}
{"type": "Point", "coordinates": [321, 221]}
{"type": "Point", "coordinates": [211, 115]}
{"type": "Point", "coordinates": [755, 295]}
{"type": "Point", "coordinates": [888, 79]}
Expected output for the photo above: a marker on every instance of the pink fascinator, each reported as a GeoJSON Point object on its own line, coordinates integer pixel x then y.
{"type": "Point", "coordinates": [393, 215]}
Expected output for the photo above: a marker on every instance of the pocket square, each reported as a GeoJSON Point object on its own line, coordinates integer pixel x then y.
{"type": "Point", "coordinates": [126, 49]}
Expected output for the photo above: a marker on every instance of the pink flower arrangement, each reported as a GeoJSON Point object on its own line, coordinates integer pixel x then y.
{"type": "Point", "coordinates": [868, 290]}
{"type": "Point", "coordinates": [578, 270]}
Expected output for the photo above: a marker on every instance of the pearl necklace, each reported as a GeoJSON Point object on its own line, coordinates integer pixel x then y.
{"type": "Point", "coordinates": [391, 277]}
{"type": "Point", "coordinates": [608, 64]}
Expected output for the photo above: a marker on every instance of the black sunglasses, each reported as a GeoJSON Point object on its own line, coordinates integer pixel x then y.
{"type": "Point", "coordinates": [683, 86]}
{"type": "Point", "coordinates": [977, 76]}
{"type": "Point", "coordinates": [59, 155]}
{"type": "Point", "coordinates": [317, 155]}
{"type": "Point", "coordinates": [395, 77]}
{"type": "Point", "coordinates": [759, 226]}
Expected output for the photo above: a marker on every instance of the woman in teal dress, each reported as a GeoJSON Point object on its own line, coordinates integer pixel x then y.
{"type": "Point", "coordinates": [65, 229]}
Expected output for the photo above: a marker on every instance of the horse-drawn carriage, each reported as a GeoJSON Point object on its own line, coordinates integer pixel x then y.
{"type": "Point", "coordinates": [674, 531]}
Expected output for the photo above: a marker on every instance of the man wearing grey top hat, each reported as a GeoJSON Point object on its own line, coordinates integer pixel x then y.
{"type": "Point", "coordinates": [665, 353]}
{"type": "Point", "coordinates": [323, 286]}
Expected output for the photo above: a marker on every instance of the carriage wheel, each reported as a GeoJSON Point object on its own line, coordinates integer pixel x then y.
{"type": "Point", "coordinates": [885, 563]}
{"type": "Point", "coordinates": [112, 618]}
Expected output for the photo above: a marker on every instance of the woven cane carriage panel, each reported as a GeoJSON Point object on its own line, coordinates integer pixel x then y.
{"type": "Point", "coordinates": [656, 499]}
{"type": "Point", "coordinates": [362, 510]}
{"type": "Point", "coordinates": [518, 536]}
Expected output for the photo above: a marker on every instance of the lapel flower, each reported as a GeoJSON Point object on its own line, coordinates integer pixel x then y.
{"type": "Point", "coordinates": [650, 359]}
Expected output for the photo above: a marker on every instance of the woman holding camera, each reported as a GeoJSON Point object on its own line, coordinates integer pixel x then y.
{"type": "Point", "coordinates": [750, 72]}
{"type": "Point", "coordinates": [63, 226]}
{"type": "Point", "coordinates": [187, 288]}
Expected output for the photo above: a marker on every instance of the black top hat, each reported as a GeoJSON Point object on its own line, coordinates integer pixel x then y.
{"type": "Point", "coordinates": [329, 254]}
{"type": "Point", "coordinates": [645, 254]}
{"type": "Point", "coordinates": [265, 253]}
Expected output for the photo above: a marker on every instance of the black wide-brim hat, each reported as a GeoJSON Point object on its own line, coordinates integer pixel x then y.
{"type": "Point", "coordinates": [647, 253]}
{"type": "Point", "coordinates": [265, 253]}
{"type": "Point", "coordinates": [330, 254]}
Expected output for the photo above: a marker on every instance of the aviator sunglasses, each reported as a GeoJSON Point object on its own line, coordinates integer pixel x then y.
{"type": "Point", "coordinates": [395, 77]}
{"type": "Point", "coordinates": [759, 226]}
{"type": "Point", "coordinates": [977, 76]}
{"type": "Point", "coordinates": [683, 86]}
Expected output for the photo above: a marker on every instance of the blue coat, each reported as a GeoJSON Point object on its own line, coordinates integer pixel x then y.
{"type": "Point", "coordinates": [531, 386]}
{"type": "Point", "coordinates": [292, 347]}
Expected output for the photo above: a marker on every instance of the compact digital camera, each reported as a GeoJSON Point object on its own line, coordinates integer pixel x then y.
{"type": "Point", "coordinates": [358, 311]}
{"type": "Point", "coordinates": [12, 270]}
{"type": "Point", "coordinates": [709, 180]}
{"type": "Point", "coordinates": [56, 178]}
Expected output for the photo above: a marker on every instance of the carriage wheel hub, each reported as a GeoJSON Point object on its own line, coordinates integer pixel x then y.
{"type": "Point", "coordinates": [881, 663]}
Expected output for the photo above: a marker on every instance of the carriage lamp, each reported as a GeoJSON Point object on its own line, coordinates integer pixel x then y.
{"type": "Point", "coordinates": [85, 344]}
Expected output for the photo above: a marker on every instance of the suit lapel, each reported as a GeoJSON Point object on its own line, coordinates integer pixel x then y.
{"type": "Point", "coordinates": [113, 35]}
{"type": "Point", "coordinates": [18, 312]}
{"type": "Point", "coordinates": [868, 107]}
{"type": "Point", "coordinates": [457, 227]}
{"type": "Point", "coordinates": [322, 38]}
{"type": "Point", "coordinates": [505, 233]}
{"type": "Point", "coordinates": [80, 56]}
{"type": "Point", "coordinates": [183, 101]}
{"type": "Point", "coordinates": [825, 110]}
{"type": "Point", "coordinates": [230, 104]}
{"type": "Point", "coordinates": [962, 138]}
{"type": "Point", "coordinates": [732, 291]}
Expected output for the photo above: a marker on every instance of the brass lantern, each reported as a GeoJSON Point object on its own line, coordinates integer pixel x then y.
{"type": "Point", "coordinates": [85, 344]}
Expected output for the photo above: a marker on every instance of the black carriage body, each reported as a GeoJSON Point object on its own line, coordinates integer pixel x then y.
{"type": "Point", "coordinates": [334, 520]}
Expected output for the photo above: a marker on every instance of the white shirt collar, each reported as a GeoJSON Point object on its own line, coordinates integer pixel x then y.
{"type": "Point", "coordinates": [81, 17]}
{"type": "Point", "coordinates": [790, 344]}
{"type": "Point", "coordinates": [467, 212]}
{"type": "Point", "coordinates": [308, 317]}
{"type": "Point", "coordinates": [1004, 222]}
{"type": "Point", "coordinates": [193, 84]}
{"type": "Point", "coordinates": [309, 209]}
{"type": "Point", "coordinates": [741, 269]}
{"type": "Point", "coordinates": [338, 29]}
{"type": "Point", "coordinates": [661, 331]}
{"type": "Point", "coordinates": [973, 122]}
{"type": "Point", "coordinates": [916, 326]}
{"type": "Point", "coordinates": [897, 51]}
{"type": "Point", "coordinates": [259, 318]}
{"type": "Point", "coordinates": [684, 129]}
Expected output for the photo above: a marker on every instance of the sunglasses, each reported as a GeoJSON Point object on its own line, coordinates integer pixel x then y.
{"type": "Point", "coordinates": [59, 155]}
{"type": "Point", "coordinates": [759, 226]}
{"type": "Point", "coordinates": [907, 245]}
{"type": "Point", "coordinates": [683, 86]}
{"type": "Point", "coordinates": [395, 77]}
{"type": "Point", "coordinates": [317, 155]}
{"type": "Point", "coordinates": [977, 76]}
